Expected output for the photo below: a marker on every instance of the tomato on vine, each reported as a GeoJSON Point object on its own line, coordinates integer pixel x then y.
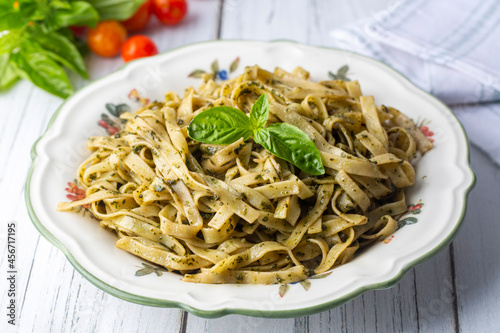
{"type": "Point", "coordinates": [138, 46]}
{"type": "Point", "coordinates": [107, 38]}
{"type": "Point", "coordinates": [169, 12]}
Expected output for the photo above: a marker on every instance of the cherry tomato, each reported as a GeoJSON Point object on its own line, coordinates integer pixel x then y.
{"type": "Point", "coordinates": [107, 38]}
{"type": "Point", "coordinates": [169, 11]}
{"type": "Point", "coordinates": [140, 19]}
{"type": "Point", "coordinates": [138, 46]}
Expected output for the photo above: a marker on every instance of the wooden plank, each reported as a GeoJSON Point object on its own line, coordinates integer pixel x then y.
{"type": "Point", "coordinates": [58, 299]}
{"type": "Point", "coordinates": [476, 251]}
{"type": "Point", "coordinates": [265, 20]}
{"type": "Point", "coordinates": [307, 21]}
{"type": "Point", "coordinates": [28, 114]}
{"type": "Point", "coordinates": [237, 323]}
{"type": "Point", "coordinates": [435, 294]}
{"type": "Point", "coordinates": [376, 311]}
{"type": "Point", "coordinates": [419, 302]}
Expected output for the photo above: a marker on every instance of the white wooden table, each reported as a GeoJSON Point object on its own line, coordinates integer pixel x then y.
{"type": "Point", "coordinates": [458, 290]}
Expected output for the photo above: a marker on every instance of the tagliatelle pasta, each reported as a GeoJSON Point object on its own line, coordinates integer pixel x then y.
{"type": "Point", "coordinates": [237, 213]}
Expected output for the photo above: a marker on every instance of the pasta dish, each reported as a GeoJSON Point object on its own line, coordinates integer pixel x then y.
{"type": "Point", "coordinates": [238, 213]}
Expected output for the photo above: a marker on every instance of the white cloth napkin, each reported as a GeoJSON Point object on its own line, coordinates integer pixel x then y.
{"type": "Point", "coordinates": [450, 48]}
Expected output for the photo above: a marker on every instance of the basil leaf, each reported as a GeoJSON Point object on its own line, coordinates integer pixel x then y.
{"type": "Point", "coordinates": [80, 13]}
{"type": "Point", "coordinates": [36, 66]}
{"type": "Point", "coordinates": [260, 112]}
{"type": "Point", "coordinates": [32, 10]}
{"type": "Point", "coordinates": [8, 72]}
{"type": "Point", "coordinates": [63, 51]}
{"type": "Point", "coordinates": [10, 18]}
{"type": "Point", "coordinates": [6, 5]}
{"type": "Point", "coordinates": [60, 4]}
{"type": "Point", "coordinates": [79, 42]}
{"type": "Point", "coordinates": [116, 9]}
{"type": "Point", "coordinates": [291, 144]}
{"type": "Point", "coordinates": [221, 125]}
{"type": "Point", "coordinates": [12, 39]}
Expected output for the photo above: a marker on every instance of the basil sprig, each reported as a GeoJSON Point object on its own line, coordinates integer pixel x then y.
{"type": "Point", "coordinates": [223, 125]}
{"type": "Point", "coordinates": [37, 44]}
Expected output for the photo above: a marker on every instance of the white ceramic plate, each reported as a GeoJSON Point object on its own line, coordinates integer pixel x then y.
{"type": "Point", "coordinates": [444, 179]}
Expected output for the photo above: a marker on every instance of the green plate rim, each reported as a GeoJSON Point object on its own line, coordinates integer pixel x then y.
{"type": "Point", "coordinates": [248, 312]}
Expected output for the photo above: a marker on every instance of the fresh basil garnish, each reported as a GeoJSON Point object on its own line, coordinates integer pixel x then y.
{"type": "Point", "coordinates": [224, 125]}
{"type": "Point", "coordinates": [220, 125]}
{"type": "Point", "coordinates": [291, 144]}
{"type": "Point", "coordinates": [260, 112]}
